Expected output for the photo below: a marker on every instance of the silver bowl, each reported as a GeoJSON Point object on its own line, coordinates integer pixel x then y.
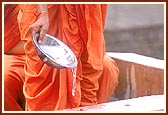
{"type": "Point", "coordinates": [54, 52]}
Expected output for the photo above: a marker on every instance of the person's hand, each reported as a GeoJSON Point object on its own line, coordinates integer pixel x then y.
{"type": "Point", "coordinates": [40, 26]}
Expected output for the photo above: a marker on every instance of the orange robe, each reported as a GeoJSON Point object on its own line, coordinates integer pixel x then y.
{"type": "Point", "coordinates": [13, 82]}
{"type": "Point", "coordinates": [81, 28]}
{"type": "Point", "coordinates": [13, 65]}
{"type": "Point", "coordinates": [12, 34]}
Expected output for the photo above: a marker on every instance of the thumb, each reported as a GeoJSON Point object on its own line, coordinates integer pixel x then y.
{"type": "Point", "coordinates": [34, 29]}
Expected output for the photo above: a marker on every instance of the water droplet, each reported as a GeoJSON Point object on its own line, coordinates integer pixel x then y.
{"type": "Point", "coordinates": [74, 81]}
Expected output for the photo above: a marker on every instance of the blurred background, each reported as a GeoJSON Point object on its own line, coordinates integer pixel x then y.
{"type": "Point", "coordinates": [135, 28]}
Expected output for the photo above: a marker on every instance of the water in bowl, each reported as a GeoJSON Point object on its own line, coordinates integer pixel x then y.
{"type": "Point", "coordinates": [58, 54]}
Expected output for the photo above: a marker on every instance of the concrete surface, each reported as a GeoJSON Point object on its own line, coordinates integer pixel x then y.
{"type": "Point", "coordinates": [136, 28]}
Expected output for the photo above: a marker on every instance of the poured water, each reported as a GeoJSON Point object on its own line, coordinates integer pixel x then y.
{"type": "Point", "coordinates": [62, 56]}
{"type": "Point", "coordinates": [74, 81]}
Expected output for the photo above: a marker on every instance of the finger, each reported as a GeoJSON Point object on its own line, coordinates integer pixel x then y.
{"type": "Point", "coordinates": [41, 37]}
{"type": "Point", "coordinates": [30, 30]}
{"type": "Point", "coordinates": [42, 34]}
{"type": "Point", "coordinates": [34, 29]}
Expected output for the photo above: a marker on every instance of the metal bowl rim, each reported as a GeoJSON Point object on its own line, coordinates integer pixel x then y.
{"type": "Point", "coordinates": [54, 38]}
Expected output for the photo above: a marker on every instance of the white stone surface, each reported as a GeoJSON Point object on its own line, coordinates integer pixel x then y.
{"type": "Point", "coordinates": [139, 59]}
{"type": "Point", "coordinates": [146, 104]}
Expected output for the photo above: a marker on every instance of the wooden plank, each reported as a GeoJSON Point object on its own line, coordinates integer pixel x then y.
{"type": "Point", "coordinates": [139, 75]}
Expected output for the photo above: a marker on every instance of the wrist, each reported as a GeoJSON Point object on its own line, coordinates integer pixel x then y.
{"type": "Point", "coordinates": [42, 8]}
{"type": "Point", "coordinates": [43, 13]}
